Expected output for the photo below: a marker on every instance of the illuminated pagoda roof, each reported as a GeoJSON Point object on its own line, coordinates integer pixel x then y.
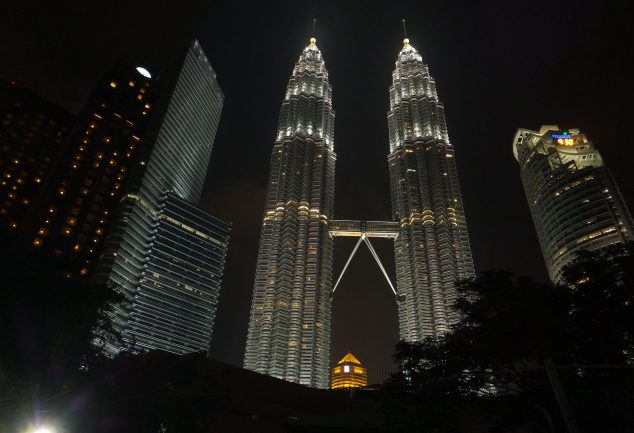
{"type": "Point", "coordinates": [349, 359]}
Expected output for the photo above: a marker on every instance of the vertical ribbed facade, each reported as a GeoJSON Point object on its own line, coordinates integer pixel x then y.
{"type": "Point", "coordinates": [176, 163]}
{"type": "Point", "coordinates": [574, 201]}
{"type": "Point", "coordinates": [289, 324]}
{"type": "Point", "coordinates": [432, 250]}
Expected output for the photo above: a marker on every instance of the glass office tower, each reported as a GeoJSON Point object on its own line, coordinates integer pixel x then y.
{"type": "Point", "coordinates": [574, 201]}
{"type": "Point", "coordinates": [289, 325]}
{"type": "Point", "coordinates": [432, 250]}
{"type": "Point", "coordinates": [169, 175]}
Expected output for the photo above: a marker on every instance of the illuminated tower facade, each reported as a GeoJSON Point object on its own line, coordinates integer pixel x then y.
{"type": "Point", "coordinates": [432, 249]}
{"type": "Point", "coordinates": [289, 324]}
{"type": "Point", "coordinates": [349, 373]}
{"type": "Point", "coordinates": [574, 201]}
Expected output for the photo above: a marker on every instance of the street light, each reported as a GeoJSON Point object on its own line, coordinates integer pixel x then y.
{"type": "Point", "coordinates": [44, 429]}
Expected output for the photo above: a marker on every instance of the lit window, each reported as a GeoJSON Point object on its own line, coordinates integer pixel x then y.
{"type": "Point", "coordinates": [346, 369]}
{"type": "Point", "coordinates": [131, 84]}
{"type": "Point", "coordinates": [113, 84]}
{"type": "Point", "coordinates": [37, 242]}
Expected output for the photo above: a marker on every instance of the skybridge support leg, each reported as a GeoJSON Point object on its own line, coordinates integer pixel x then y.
{"type": "Point", "coordinates": [354, 251]}
{"type": "Point", "coordinates": [376, 257]}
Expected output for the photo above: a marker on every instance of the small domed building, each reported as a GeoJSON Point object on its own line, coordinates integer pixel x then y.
{"type": "Point", "coordinates": [349, 373]}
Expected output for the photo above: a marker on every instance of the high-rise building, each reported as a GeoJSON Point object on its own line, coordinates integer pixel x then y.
{"type": "Point", "coordinates": [163, 254]}
{"type": "Point", "coordinates": [432, 249]}
{"type": "Point", "coordinates": [75, 206]}
{"type": "Point", "coordinates": [32, 135]}
{"type": "Point", "coordinates": [289, 325]}
{"type": "Point", "coordinates": [574, 201]}
{"type": "Point", "coordinates": [349, 373]}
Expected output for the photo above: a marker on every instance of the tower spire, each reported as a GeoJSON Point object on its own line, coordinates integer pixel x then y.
{"type": "Point", "coordinates": [405, 38]}
{"type": "Point", "coordinates": [313, 39]}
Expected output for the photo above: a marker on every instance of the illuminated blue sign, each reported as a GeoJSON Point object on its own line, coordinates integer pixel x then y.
{"type": "Point", "coordinates": [561, 136]}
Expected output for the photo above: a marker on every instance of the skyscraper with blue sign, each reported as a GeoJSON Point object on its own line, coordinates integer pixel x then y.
{"type": "Point", "coordinates": [574, 200]}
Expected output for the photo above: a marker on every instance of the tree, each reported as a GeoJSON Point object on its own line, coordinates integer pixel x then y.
{"type": "Point", "coordinates": [46, 327]}
{"type": "Point", "coordinates": [512, 325]}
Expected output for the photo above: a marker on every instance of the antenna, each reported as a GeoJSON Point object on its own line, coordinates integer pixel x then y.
{"type": "Point", "coordinates": [404, 29]}
{"type": "Point", "coordinates": [314, 24]}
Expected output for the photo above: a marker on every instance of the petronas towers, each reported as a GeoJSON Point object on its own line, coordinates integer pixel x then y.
{"type": "Point", "coordinates": [289, 326]}
{"type": "Point", "coordinates": [432, 250]}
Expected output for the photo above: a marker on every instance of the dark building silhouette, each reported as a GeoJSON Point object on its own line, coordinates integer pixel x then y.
{"type": "Point", "coordinates": [75, 207]}
{"type": "Point", "coordinates": [32, 134]}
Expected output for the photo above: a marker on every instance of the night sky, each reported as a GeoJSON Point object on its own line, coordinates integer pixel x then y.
{"type": "Point", "coordinates": [498, 65]}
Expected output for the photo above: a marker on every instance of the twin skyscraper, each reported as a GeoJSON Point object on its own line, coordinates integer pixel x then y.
{"type": "Point", "coordinates": [289, 326]}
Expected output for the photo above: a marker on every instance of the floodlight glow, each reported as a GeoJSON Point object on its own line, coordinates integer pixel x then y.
{"type": "Point", "coordinates": [141, 70]}
{"type": "Point", "coordinates": [44, 430]}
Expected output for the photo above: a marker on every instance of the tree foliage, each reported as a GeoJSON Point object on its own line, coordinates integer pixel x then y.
{"type": "Point", "coordinates": [512, 325]}
{"type": "Point", "coordinates": [46, 327]}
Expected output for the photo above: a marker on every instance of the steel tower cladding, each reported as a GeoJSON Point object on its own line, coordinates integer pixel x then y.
{"type": "Point", "coordinates": [289, 326]}
{"type": "Point", "coordinates": [432, 250]}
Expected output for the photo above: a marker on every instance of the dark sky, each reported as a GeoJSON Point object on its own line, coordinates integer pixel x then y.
{"type": "Point", "coordinates": [498, 65]}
